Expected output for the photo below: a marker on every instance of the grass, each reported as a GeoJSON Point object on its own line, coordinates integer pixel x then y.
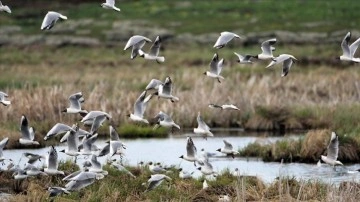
{"type": "Point", "coordinates": [117, 186]}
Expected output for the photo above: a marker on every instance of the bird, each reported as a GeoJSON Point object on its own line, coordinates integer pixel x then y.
{"type": "Point", "coordinates": [136, 42]}
{"type": "Point", "coordinates": [72, 142]}
{"type": "Point", "coordinates": [58, 128]}
{"type": "Point", "coordinates": [2, 145]}
{"type": "Point", "coordinates": [203, 128]}
{"type": "Point", "coordinates": [165, 90]}
{"type": "Point", "coordinates": [87, 143]}
{"type": "Point", "coordinates": [98, 122]}
{"type": "Point", "coordinates": [27, 134]}
{"type": "Point", "coordinates": [19, 174]}
{"type": "Point", "coordinates": [190, 151]}
{"type": "Point", "coordinates": [267, 49]}
{"type": "Point", "coordinates": [56, 191]}
{"type": "Point", "coordinates": [31, 170]}
{"type": "Point", "coordinates": [90, 117]}
{"type": "Point", "coordinates": [205, 185]}
{"type": "Point", "coordinates": [122, 169]}
{"type": "Point", "coordinates": [110, 4]}
{"type": "Point", "coordinates": [243, 59]}
{"type": "Point", "coordinates": [96, 166]}
{"type": "Point", "coordinates": [287, 61]}
{"type": "Point", "coordinates": [215, 68]}
{"type": "Point", "coordinates": [52, 163]}
{"type": "Point", "coordinates": [332, 151]}
{"type": "Point", "coordinates": [184, 174]}
{"type": "Point", "coordinates": [207, 169]}
{"type": "Point", "coordinates": [4, 8]}
{"type": "Point", "coordinates": [3, 100]}
{"type": "Point", "coordinates": [33, 157]}
{"type": "Point", "coordinates": [154, 85]}
{"type": "Point", "coordinates": [75, 104]}
{"type": "Point", "coordinates": [349, 50]}
{"type": "Point", "coordinates": [76, 185]}
{"type": "Point", "coordinates": [165, 120]}
{"type": "Point", "coordinates": [224, 38]}
{"type": "Point", "coordinates": [228, 149]}
{"type": "Point", "coordinates": [139, 108]}
{"type": "Point", "coordinates": [236, 172]}
{"type": "Point", "coordinates": [225, 106]}
{"type": "Point", "coordinates": [155, 168]}
{"type": "Point", "coordinates": [155, 180]}
{"type": "Point", "coordinates": [50, 19]}
{"type": "Point", "coordinates": [154, 52]}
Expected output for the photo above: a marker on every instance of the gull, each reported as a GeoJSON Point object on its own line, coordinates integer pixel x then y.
{"type": "Point", "coordinates": [156, 180]}
{"type": "Point", "coordinates": [56, 191]}
{"type": "Point", "coordinates": [203, 128]}
{"type": "Point", "coordinates": [207, 168]}
{"type": "Point", "coordinates": [33, 157]}
{"type": "Point", "coordinates": [85, 176]}
{"type": "Point", "coordinates": [20, 174]}
{"type": "Point", "coordinates": [97, 123]}
{"type": "Point", "coordinates": [228, 149]}
{"type": "Point", "coordinates": [110, 4]}
{"type": "Point", "coordinates": [190, 151]}
{"type": "Point", "coordinates": [27, 134]}
{"type": "Point", "coordinates": [77, 185]}
{"type": "Point", "coordinates": [332, 151]}
{"type": "Point", "coordinates": [80, 133]}
{"type": "Point", "coordinates": [52, 163]}
{"type": "Point", "coordinates": [165, 121]}
{"type": "Point", "coordinates": [243, 59]}
{"type": "Point", "coordinates": [2, 145]}
{"type": "Point", "coordinates": [58, 128]}
{"type": "Point", "coordinates": [349, 50]}
{"type": "Point", "coordinates": [72, 142]}
{"type": "Point", "coordinates": [75, 104]}
{"type": "Point", "coordinates": [224, 38]}
{"type": "Point", "coordinates": [3, 100]}
{"type": "Point", "coordinates": [154, 85]}
{"type": "Point", "coordinates": [116, 146]}
{"type": "Point", "coordinates": [267, 48]}
{"type": "Point", "coordinates": [70, 176]}
{"type": "Point", "coordinates": [154, 52]}
{"type": "Point", "coordinates": [165, 90]}
{"type": "Point", "coordinates": [87, 143]}
{"type": "Point", "coordinates": [50, 19]}
{"type": "Point", "coordinates": [122, 169]}
{"type": "Point", "coordinates": [139, 108]}
{"type": "Point", "coordinates": [215, 68]}
{"type": "Point", "coordinates": [205, 184]}
{"type": "Point", "coordinates": [32, 170]}
{"type": "Point", "coordinates": [90, 117]}
{"type": "Point", "coordinates": [96, 166]}
{"type": "Point", "coordinates": [236, 172]}
{"type": "Point", "coordinates": [4, 8]}
{"type": "Point", "coordinates": [287, 61]}
{"type": "Point", "coordinates": [136, 42]}
{"type": "Point", "coordinates": [204, 156]}
{"type": "Point", "coordinates": [225, 106]}
{"type": "Point", "coordinates": [184, 174]}
{"type": "Point", "coordinates": [155, 168]}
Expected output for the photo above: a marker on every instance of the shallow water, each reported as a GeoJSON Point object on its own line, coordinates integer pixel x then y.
{"type": "Point", "coordinates": [168, 150]}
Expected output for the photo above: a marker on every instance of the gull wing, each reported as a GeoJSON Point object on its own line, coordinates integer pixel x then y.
{"type": "Point", "coordinates": [95, 163]}
{"type": "Point", "coordinates": [190, 148]}
{"type": "Point", "coordinates": [266, 46]}
{"type": "Point", "coordinates": [219, 66]}
{"type": "Point", "coordinates": [286, 66]}
{"type": "Point", "coordinates": [228, 146]}
{"type": "Point", "coordinates": [139, 105]}
{"type": "Point", "coordinates": [154, 84]}
{"type": "Point", "coordinates": [214, 64]}
{"type": "Point", "coordinates": [50, 19]}
{"type": "Point", "coordinates": [155, 48]}
{"type": "Point", "coordinates": [98, 121]}
{"type": "Point", "coordinates": [136, 41]}
{"type": "Point", "coordinates": [114, 136]}
{"type": "Point", "coordinates": [333, 148]}
{"type": "Point", "coordinates": [58, 129]}
{"type": "Point", "coordinates": [52, 159]}
{"type": "Point", "coordinates": [201, 123]}
{"type": "Point", "coordinates": [353, 47]}
{"type": "Point", "coordinates": [75, 100]}
{"type": "Point", "coordinates": [345, 45]}
{"type": "Point", "coordinates": [166, 88]}
{"type": "Point", "coordinates": [110, 2]}
{"type": "Point", "coordinates": [2, 145]}
{"type": "Point", "coordinates": [224, 38]}
{"type": "Point", "coordinates": [73, 141]}
{"type": "Point", "coordinates": [24, 128]}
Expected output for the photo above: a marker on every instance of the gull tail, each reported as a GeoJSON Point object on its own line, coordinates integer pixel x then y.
{"type": "Point", "coordinates": [160, 59]}
{"type": "Point", "coordinates": [6, 102]}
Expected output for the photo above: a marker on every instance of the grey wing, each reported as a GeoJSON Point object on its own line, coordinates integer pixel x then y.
{"type": "Point", "coordinates": [228, 146]}
{"type": "Point", "coordinates": [98, 121]}
{"type": "Point", "coordinates": [88, 142]}
{"type": "Point", "coordinates": [190, 148]}
{"type": "Point", "coordinates": [57, 129]}
{"type": "Point", "coordinates": [247, 57]}
{"type": "Point", "coordinates": [239, 56]}
{"type": "Point", "coordinates": [53, 159]}
{"type": "Point", "coordinates": [154, 84]}
{"type": "Point", "coordinates": [153, 184]}
{"type": "Point", "coordinates": [1, 4]}
{"type": "Point", "coordinates": [111, 2]}
{"type": "Point", "coordinates": [201, 123]}
{"type": "Point", "coordinates": [214, 64]}
{"type": "Point", "coordinates": [3, 144]}
{"type": "Point", "coordinates": [114, 136]}
{"type": "Point", "coordinates": [72, 141]}
{"type": "Point", "coordinates": [31, 133]}
{"type": "Point", "coordinates": [139, 105]}
{"type": "Point", "coordinates": [345, 44]}
{"type": "Point", "coordinates": [266, 46]}
{"type": "Point", "coordinates": [208, 165]}
{"type": "Point", "coordinates": [24, 128]}
{"type": "Point", "coordinates": [167, 87]}
{"type": "Point", "coordinates": [155, 48]}
{"type": "Point", "coordinates": [136, 41]}
{"type": "Point", "coordinates": [224, 38]}
{"type": "Point", "coordinates": [50, 20]}
{"type": "Point", "coordinates": [105, 150]}
{"type": "Point", "coordinates": [219, 66]}
{"type": "Point", "coordinates": [163, 116]}
{"type": "Point", "coordinates": [353, 47]}
{"type": "Point", "coordinates": [72, 175]}
{"type": "Point", "coordinates": [75, 101]}
{"type": "Point", "coordinates": [95, 163]}
{"type": "Point", "coordinates": [333, 148]}
{"type": "Point", "coordinates": [286, 66]}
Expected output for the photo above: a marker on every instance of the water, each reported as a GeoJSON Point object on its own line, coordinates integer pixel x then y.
{"type": "Point", "coordinates": [168, 150]}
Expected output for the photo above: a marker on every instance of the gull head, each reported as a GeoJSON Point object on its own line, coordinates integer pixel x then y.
{"type": "Point", "coordinates": [218, 150]}
{"type": "Point", "coordinates": [199, 168]}
{"type": "Point", "coordinates": [128, 115]}
{"type": "Point", "coordinates": [182, 157]}
{"type": "Point", "coordinates": [63, 151]}
{"type": "Point", "coordinates": [64, 110]}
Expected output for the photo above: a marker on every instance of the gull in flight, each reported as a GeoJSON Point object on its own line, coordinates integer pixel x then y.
{"type": "Point", "coordinates": [267, 49]}
{"type": "Point", "coordinates": [122, 169]}
{"type": "Point", "coordinates": [4, 8]}
{"type": "Point", "coordinates": [165, 90]}
{"type": "Point", "coordinates": [88, 143]}
{"type": "Point", "coordinates": [243, 59]}
{"type": "Point", "coordinates": [3, 100]}
{"type": "Point", "coordinates": [228, 149]}
{"type": "Point", "coordinates": [2, 145]}
{"type": "Point", "coordinates": [50, 19]}
{"type": "Point", "coordinates": [139, 108]}
{"type": "Point", "coordinates": [349, 50]}
{"type": "Point", "coordinates": [224, 38]}
{"type": "Point", "coordinates": [154, 85]}
{"type": "Point", "coordinates": [75, 104]}
{"type": "Point", "coordinates": [156, 180]}
{"type": "Point", "coordinates": [184, 174]}
{"type": "Point", "coordinates": [27, 134]}
{"type": "Point", "coordinates": [203, 128]}
{"type": "Point", "coordinates": [332, 151]}
{"type": "Point", "coordinates": [58, 128]}
{"type": "Point", "coordinates": [52, 163]}
{"type": "Point", "coordinates": [287, 61]}
{"type": "Point", "coordinates": [72, 142]}
{"type": "Point", "coordinates": [190, 151]}
{"type": "Point", "coordinates": [33, 157]}
{"type": "Point", "coordinates": [207, 168]}
{"type": "Point", "coordinates": [110, 4]}
{"type": "Point", "coordinates": [215, 68]}
{"type": "Point", "coordinates": [56, 191]}
{"type": "Point", "coordinates": [165, 121]}
{"type": "Point", "coordinates": [96, 166]}
{"type": "Point", "coordinates": [136, 42]}
{"type": "Point", "coordinates": [154, 52]}
{"type": "Point", "coordinates": [88, 120]}
{"type": "Point", "coordinates": [225, 106]}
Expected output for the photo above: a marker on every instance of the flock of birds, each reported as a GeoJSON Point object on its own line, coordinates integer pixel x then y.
{"type": "Point", "coordinates": [82, 142]}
